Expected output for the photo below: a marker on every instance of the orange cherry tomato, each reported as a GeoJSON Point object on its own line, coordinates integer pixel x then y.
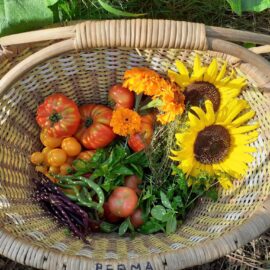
{"type": "Point", "coordinates": [86, 155]}
{"type": "Point", "coordinates": [57, 157]}
{"type": "Point", "coordinates": [45, 151]}
{"type": "Point", "coordinates": [41, 169]}
{"type": "Point", "coordinates": [54, 170]}
{"type": "Point", "coordinates": [65, 169]}
{"type": "Point", "coordinates": [49, 141]}
{"type": "Point", "coordinates": [71, 146]}
{"type": "Point", "coordinates": [37, 158]}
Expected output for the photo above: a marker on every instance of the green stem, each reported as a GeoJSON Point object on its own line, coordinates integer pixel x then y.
{"type": "Point", "coordinates": [137, 101]}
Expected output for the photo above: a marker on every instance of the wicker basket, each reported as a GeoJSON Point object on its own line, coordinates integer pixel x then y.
{"type": "Point", "coordinates": [91, 57]}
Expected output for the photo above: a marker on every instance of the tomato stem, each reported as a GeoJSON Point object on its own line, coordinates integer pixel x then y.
{"type": "Point", "coordinates": [55, 117]}
{"type": "Point", "coordinates": [88, 122]}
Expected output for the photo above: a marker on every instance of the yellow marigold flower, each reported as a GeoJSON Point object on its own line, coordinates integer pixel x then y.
{"type": "Point", "coordinates": [172, 100]}
{"type": "Point", "coordinates": [125, 122]}
{"type": "Point", "coordinates": [143, 80]}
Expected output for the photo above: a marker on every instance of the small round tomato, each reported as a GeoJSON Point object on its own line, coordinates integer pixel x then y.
{"type": "Point", "coordinates": [45, 151]}
{"type": "Point", "coordinates": [136, 218]}
{"type": "Point", "coordinates": [49, 141]}
{"type": "Point", "coordinates": [132, 181]}
{"type": "Point", "coordinates": [65, 169]}
{"type": "Point", "coordinates": [139, 141]}
{"type": "Point", "coordinates": [95, 131]}
{"type": "Point", "coordinates": [54, 170]}
{"type": "Point", "coordinates": [109, 216]}
{"type": "Point", "coordinates": [42, 169]}
{"type": "Point", "coordinates": [37, 158]}
{"type": "Point", "coordinates": [86, 155]}
{"type": "Point", "coordinates": [59, 115]}
{"type": "Point", "coordinates": [122, 201]}
{"type": "Point", "coordinates": [57, 157]}
{"type": "Point", "coordinates": [71, 146]}
{"type": "Point", "coordinates": [121, 97]}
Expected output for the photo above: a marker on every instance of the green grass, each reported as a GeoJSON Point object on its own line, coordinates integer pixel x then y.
{"type": "Point", "coordinates": [210, 12]}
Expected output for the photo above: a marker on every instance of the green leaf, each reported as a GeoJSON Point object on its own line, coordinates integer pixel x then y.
{"type": "Point", "coordinates": [168, 215]}
{"type": "Point", "coordinates": [212, 194]}
{"type": "Point", "coordinates": [121, 170]}
{"type": "Point", "coordinates": [138, 158]}
{"type": "Point", "coordinates": [117, 154]}
{"type": "Point", "coordinates": [23, 15]}
{"type": "Point", "coordinates": [158, 212]}
{"type": "Point", "coordinates": [108, 227]}
{"type": "Point", "coordinates": [238, 6]}
{"type": "Point", "coordinates": [137, 170]}
{"type": "Point", "coordinates": [118, 12]}
{"type": "Point", "coordinates": [165, 201]}
{"type": "Point", "coordinates": [51, 2]}
{"type": "Point", "coordinates": [249, 45]}
{"type": "Point", "coordinates": [151, 226]}
{"type": "Point", "coordinates": [177, 202]}
{"type": "Point", "coordinates": [123, 227]}
{"type": "Point", "coordinates": [171, 225]}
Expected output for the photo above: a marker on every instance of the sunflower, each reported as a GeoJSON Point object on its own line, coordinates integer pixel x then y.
{"type": "Point", "coordinates": [217, 143]}
{"type": "Point", "coordinates": [172, 103]}
{"type": "Point", "coordinates": [207, 83]}
{"type": "Point", "coordinates": [125, 122]}
{"type": "Point", "coordinates": [143, 80]}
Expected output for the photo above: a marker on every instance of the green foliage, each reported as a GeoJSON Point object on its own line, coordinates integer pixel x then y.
{"type": "Point", "coordinates": [239, 6]}
{"type": "Point", "coordinates": [118, 12]}
{"type": "Point", "coordinates": [22, 15]}
{"type": "Point", "coordinates": [111, 165]}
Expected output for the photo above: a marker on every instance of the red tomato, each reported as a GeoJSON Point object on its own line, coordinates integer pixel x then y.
{"type": "Point", "coordinates": [136, 218]}
{"type": "Point", "coordinates": [109, 216]}
{"type": "Point", "coordinates": [59, 115]}
{"type": "Point", "coordinates": [122, 201]}
{"type": "Point", "coordinates": [139, 141]}
{"type": "Point", "coordinates": [121, 97]}
{"type": "Point", "coordinates": [95, 131]}
{"type": "Point", "coordinates": [132, 182]}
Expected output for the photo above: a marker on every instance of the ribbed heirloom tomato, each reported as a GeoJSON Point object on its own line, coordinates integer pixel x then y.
{"type": "Point", "coordinates": [121, 97]}
{"type": "Point", "coordinates": [123, 201]}
{"type": "Point", "coordinates": [59, 115]}
{"type": "Point", "coordinates": [95, 131]}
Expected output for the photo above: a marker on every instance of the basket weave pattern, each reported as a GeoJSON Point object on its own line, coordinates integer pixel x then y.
{"type": "Point", "coordinates": [86, 76]}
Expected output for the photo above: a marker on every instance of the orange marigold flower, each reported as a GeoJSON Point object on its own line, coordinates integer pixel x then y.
{"type": "Point", "coordinates": [172, 103]}
{"type": "Point", "coordinates": [125, 122]}
{"type": "Point", "coordinates": [143, 80]}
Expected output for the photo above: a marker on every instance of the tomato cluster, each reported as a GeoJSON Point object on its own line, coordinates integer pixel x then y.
{"type": "Point", "coordinates": [70, 133]}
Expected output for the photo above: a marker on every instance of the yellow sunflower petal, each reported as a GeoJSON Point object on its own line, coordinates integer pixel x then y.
{"type": "Point", "coordinates": [243, 118]}
{"type": "Point", "coordinates": [181, 68]}
{"type": "Point", "coordinates": [211, 72]}
{"type": "Point", "coordinates": [222, 72]}
{"type": "Point", "coordinates": [225, 182]}
{"type": "Point", "coordinates": [210, 114]}
{"type": "Point", "coordinates": [244, 129]}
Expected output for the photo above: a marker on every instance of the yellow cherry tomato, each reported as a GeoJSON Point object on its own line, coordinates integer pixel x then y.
{"type": "Point", "coordinates": [86, 155]}
{"type": "Point", "coordinates": [37, 158]}
{"type": "Point", "coordinates": [56, 157]}
{"type": "Point", "coordinates": [45, 151]}
{"type": "Point", "coordinates": [41, 169]}
{"type": "Point", "coordinates": [49, 141]}
{"type": "Point", "coordinates": [71, 146]}
{"type": "Point", "coordinates": [65, 169]}
{"type": "Point", "coordinates": [54, 170]}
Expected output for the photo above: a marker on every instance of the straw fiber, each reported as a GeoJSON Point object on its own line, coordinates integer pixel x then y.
{"type": "Point", "coordinates": [30, 236]}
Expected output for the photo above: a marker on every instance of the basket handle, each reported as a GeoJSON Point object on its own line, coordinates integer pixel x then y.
{"type": "Point", "coordinates": [107, 27]}
{"type": "Point", "coordinates": [138, 33]}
